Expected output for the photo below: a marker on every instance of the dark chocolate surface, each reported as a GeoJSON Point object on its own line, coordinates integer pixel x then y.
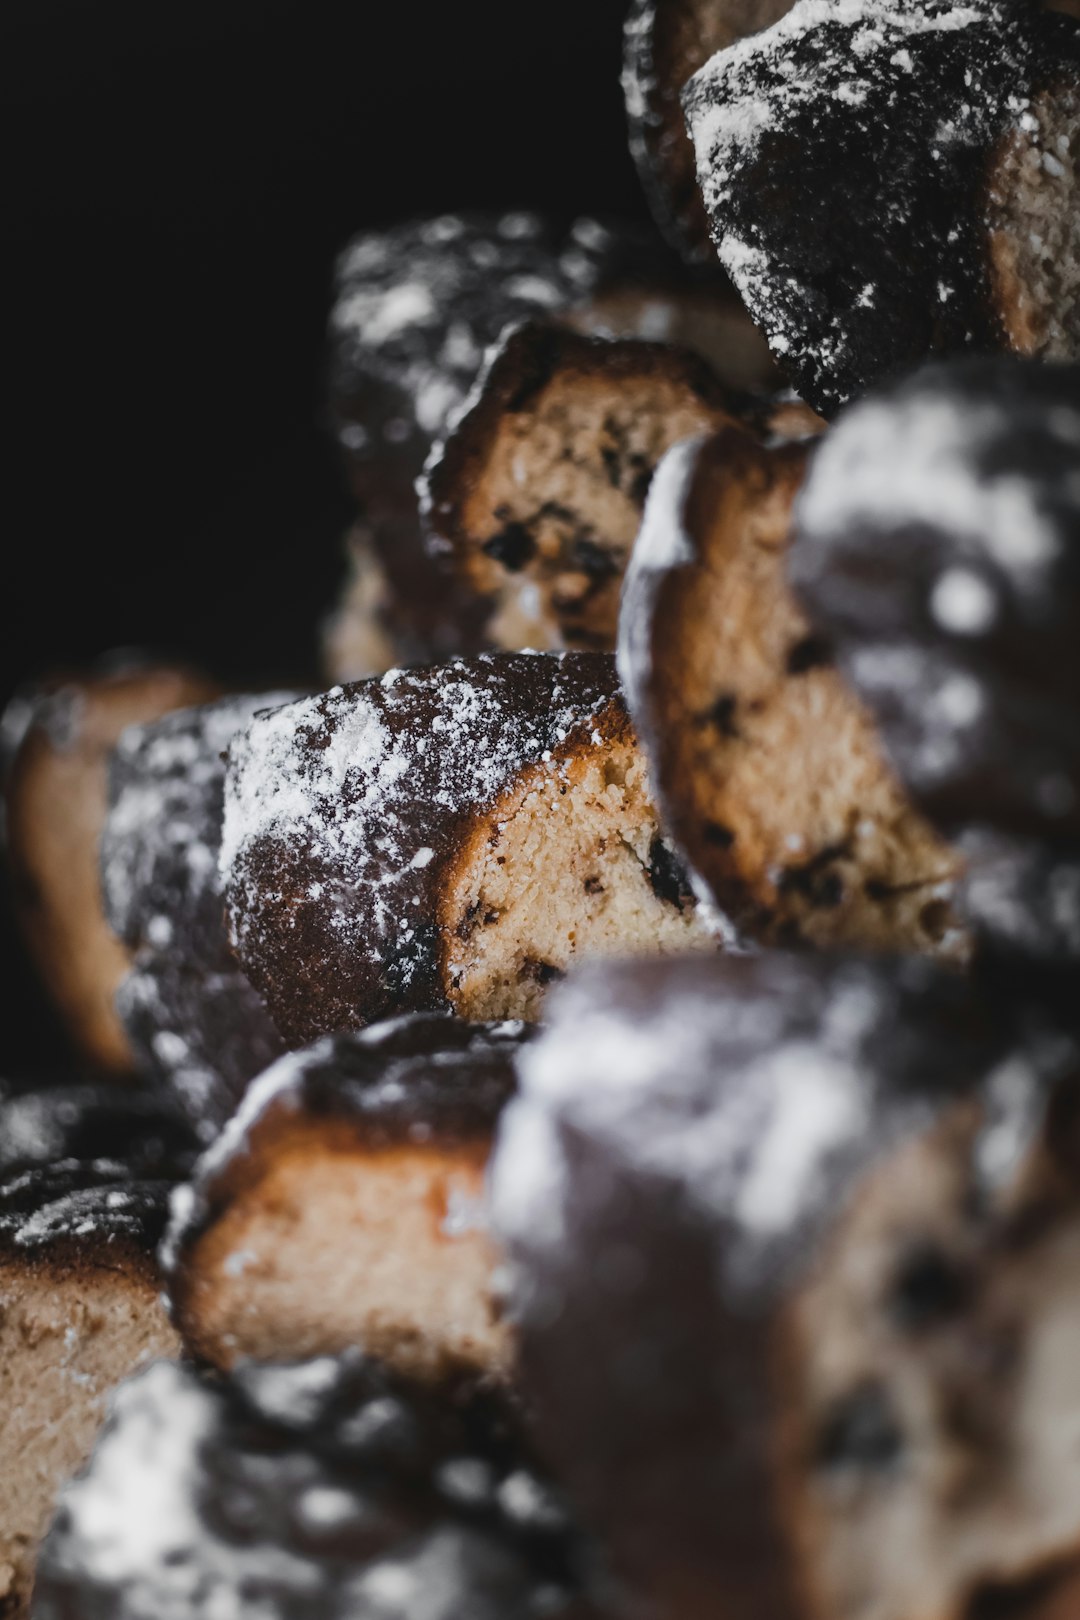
{"type": "Point", "coordinates": [43, 1121]}
{"type": "Point", "coordinates": [189, 1012]}
{"type": "Point", "coordinates": [319, 1489]}
{"type": "Point", "coordinates": [344, 813]}
{"type": "Point", "coordinates": [687, 1136]}
{"type": "Point", "coordinates": [843, 163]}
{"type": "Point", "coordinates": [938, 548]}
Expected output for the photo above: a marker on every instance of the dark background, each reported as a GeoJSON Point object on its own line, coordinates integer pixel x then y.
{"type": "Point", "coordinates": [178, 179]}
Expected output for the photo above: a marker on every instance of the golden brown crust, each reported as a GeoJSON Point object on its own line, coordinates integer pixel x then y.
{"type": "Point", "coordinates": [768, 769]}
{"type": "Point", "coordinates": [56, 804]}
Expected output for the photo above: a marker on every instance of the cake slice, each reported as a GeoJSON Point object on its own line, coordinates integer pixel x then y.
{"type": "Point", "coordinates": [768, 769]}
{"type": "Point", "coordinates": [344, 1206]}
{"type": "Point", "coordinates": [448, 838]}
{"type": "Point", "coordinates": [536, 496]}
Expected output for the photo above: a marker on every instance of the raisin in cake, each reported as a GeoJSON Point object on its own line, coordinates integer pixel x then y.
{"type": "Point", "coordinates": [766, 765]}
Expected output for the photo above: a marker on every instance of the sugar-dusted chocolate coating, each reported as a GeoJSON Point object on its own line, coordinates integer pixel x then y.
{"type": "Point", "coordinates": [343, 1205]}
{"type": "Point", "coordinates": [857, 163]}
{"type": "Point", "coordinates": [43, 1122]}
{"type": "Point", "coordinates": [665, 42]}
{"type": "Point", "coordinates": [188, 1009]}
{"type": "Point", "coordinates": [816, 1224]}
{"type": "Point", "coordinates": [321, 1489]}
{"type": "Point", "coordinates": [86, 1166]}
{"type": "Point", "coordinates": [416, 310]}
{"type": "Point", "coordinates": [345, 815]}
{"type": "Point", "coordinates": [938, 549]}
{"type": "Point", "coordinates": [75, 1210]}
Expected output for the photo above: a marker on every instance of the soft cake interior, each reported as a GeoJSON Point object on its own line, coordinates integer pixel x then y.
{"type": "Point", "coordinates": [336, 1243]}
{"type": "Point", "coordinates": [936, 1360]}
{"type": "Point", "coordinates": [771, 769]}
{"type": "Point", "coordinates": [1035, 230]}
{"type": "Point", "coordinates": [68, 1335]}
{"type": "Point", "coordinates": [552, 513]}
{"type": "Point", "coordinates": [571, 864]}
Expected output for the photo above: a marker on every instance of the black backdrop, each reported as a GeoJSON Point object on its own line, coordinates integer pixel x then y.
{"type": "Point", "coordinates": [178, 177]}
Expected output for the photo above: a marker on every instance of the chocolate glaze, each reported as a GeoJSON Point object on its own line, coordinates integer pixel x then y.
{"type": "Point", "coordinates": [346, 814]}
{"type": "Point", "coordinates": [323, 1489]}
{"type": "Point", "coordinates": [687, 1136]}
{"type": "Point", "coordinates": [42, 1122]}
{"type": "Point", "coordinates": [844, 166]}
{"type": "Point", "coordinates": [189, 1012]}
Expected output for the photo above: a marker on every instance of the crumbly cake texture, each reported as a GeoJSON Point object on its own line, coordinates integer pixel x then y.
{"type": "Point", "coordinates": [665, 42]}
{"type": "Point", "coordinates": [344, 1205]}
{"type": "Point", "coordinates": [80, 1302]}
{"type": "Point", "coordinates": [59, 736]}
{"type": "Point", "coordinates": [938, 547]}
{"type": "Point", "coordinates": [189, 1011]}
{"type": "Point", "coordinates": [887, 181]}
{"type": "Point", "coordinates": [322, 1488]}
{"type": "Point", "coordinates": [416, 310]}
{"type": "Point", "coordinates": [537, 494]}
{"type": "Point", "coordinates": [449, 838]}
{"type": "Point", "coordinates": [770, 777]}
{"type": "Point", "coordinates": [817, 1223]}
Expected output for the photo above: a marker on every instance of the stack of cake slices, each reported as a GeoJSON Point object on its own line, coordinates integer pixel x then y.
{"type": "Point", "coordinates": [575, 1113]}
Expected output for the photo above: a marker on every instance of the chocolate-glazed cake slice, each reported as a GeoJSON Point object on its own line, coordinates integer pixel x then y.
{"type": "Point", "coordinates": [344, 1206]}
{"type": "Point", "coordinates": [80, 1303]}
{"type": "Point", "coordinates": [767, 768]}
{"type": "Point", "coordinates": [449, 838]}
{"type": "Point", "coordinates": [817, 1224]}
{"type": "Point", "coordinates": [887, 181]}
{"type": "Point", "coordinates": [665, 42]}
{"type": "Point", "coordinates": [59, 739]}
{"type": "Point", "coordinates": [416, 310]}
{"type": "Point", "coordinates": [537, 494]}
{"type": "Point", "coordinates": [189, 1011]}
{"type": "Point", "coordinates": [321, 1489]}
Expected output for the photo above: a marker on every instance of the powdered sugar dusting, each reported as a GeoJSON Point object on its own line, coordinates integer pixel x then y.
{"type": "Point", "coordinates": [745, 1084]}
{"type": "Point", "coordinates": [835, 154]}
{"type": "Point", "coordinates": [365, 789]}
